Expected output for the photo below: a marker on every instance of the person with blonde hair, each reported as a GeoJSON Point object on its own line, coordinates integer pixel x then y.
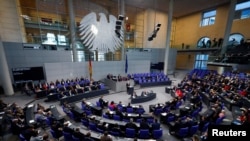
{"type": "Point", "coordinates": [195, 138]}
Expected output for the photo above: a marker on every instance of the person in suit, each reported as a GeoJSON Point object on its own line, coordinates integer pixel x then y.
{"type": "Point", "coordinates": [102, 102]}
{"type": "Point", "coordinates": [119, 113]}
{"type": "Point", "coordinates": [202, 122]}
{"type": "Point", "coordinates": [66, 128]}
{"type": "Point", "coordinates": [155, 125]}
{"type": "Point", "coordinates": [78, 134]}
{"type": "Point", "coordinates": [144, 124]}
{"type": "Point", "coordinates": [131, 125]}
{"type": "Point", "coordinates": [177, 125]}
{"type": "Point", "coordinates": [17, 126]}
{"type": "Point", "coordinates": [30, 131]}
{"type": "Point", "coordinates": [102, 126]}
{"type": "Point", "coordinates": [116, 128]}
{"type": "Point", "coordinates": [57, 128]}
{"type": "Point", "coordinates": [88, 137]}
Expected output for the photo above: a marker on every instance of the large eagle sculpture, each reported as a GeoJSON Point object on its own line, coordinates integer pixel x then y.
{"type": "Point", "coordinates": [100, 35]}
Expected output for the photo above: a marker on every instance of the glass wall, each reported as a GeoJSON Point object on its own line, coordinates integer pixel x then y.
{"type": "Point", "coordinates": [46, 22]}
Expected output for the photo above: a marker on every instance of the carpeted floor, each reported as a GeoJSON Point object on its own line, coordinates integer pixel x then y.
{"type": "Point", "coordinates": [161, 97]}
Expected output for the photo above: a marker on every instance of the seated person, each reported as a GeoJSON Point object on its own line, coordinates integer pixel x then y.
{"type": "Point", "coordinates": [177, 125]}
{"type": "Point", "coordinates": [17, 126]}
{"type": "Point", "coordinates": [30, 131]}
{"type": "Point", "coordinates": [143, 93]}
{"type": "Point", "coordinates": [109, 114]}
{"type": "Point", "coordinates": [102, 102]}
{"type": "Point", "coordinates": [129, 105]}
{"type": "Point", "coordinates": [78, 134]}
{"type": "Point", "coordinates": [131, 125]}
{"type": "Point", "coordinates": [57, 128]}
{"type": "Point", "coordinates": [37, 137]}
{"type": "Point", "coordinates": [102, 126]}
{"type": "Point", "coordinates": [119, 113]}
{"type": "Point", "coordinates": [119, 77]}
{"type": "Point", "coordinates": [116, 128]}
{"type": "Point", "coordinates": [134, 95]}
{"type": "Point", "coordinates": [140, 110]}
{"type": "Point", "coordinates": [66, 128]}
{"type": "Point", "coordinates": [120, 105]}
{"type": "Point", "coordinates": [88, 137]}
{"type": "Point", "coordinates": [40, 117]}
{"type": "Point", "coordinates": [144, 124]}
{"type": "Point", "coordinates": [112, 105]}
{"type": "Point", "coordinates": [106, 137]}
{"type": "Point", "coordinates": [67, 107]}
{"type": "Point", "coordinates": [155, 125]}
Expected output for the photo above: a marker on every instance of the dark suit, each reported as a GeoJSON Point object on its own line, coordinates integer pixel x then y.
{"type": "Point", "coordinates": [156, 126]}
{"type": "Point", "coordinates": [131, 125]}
{"type": "Point", "coordinates": [78, 135]}
{"type": "Point", "coordinates": [144, 125]}
{"type": "Point", "coordinates": [67, 129]}
{"type": "Point", "coordinates": [55, 127]}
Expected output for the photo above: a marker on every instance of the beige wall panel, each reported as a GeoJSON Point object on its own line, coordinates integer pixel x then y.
{"type": "Point", "coordinates": [153, 17]}
{"type": "Point", "coordinates": [184, 61]}
{"type": "Point", "coordinates": [10, 28]}
{"type": "Point", "coordinates": [242, 26]}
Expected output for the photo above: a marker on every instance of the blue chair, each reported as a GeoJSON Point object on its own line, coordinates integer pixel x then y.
{"type": "Point", "coordinates": [75, 138]}
{"type": "Point", "coordinates": [130, 133]}
{"type": "Point", "coordinates": [54, 135]}
{"type": "Point", "coordinates": [99, 130]}
{"type": "Point", "coordinates": [116, 134]}
{"type": "Point", "coordinates": [219, 120]}
{"type": "Point", "coordinates": [92, 126]}
{"type": "Point", "coordinates": [67, 136]}
{"type": "Point", "coordinates": [88, 112]}
{"type": "Point", "coordinates": [71, 115]}
{"type": "Point", "coordinates": [195, 113]}
{"type": "Point", "coordinates": [158, 111]}
{"type": "Point", "coordinates": [116, 117]}
{"type": "Point", "coordinates": [130, 110]}
{"type": "Point", "coordinates": [21, 137]}
{"type": "Point", "coordinates": [193, 130]}
{"type": "Point", "coordinates": [157, 134]}
{"type": "Point", "coordinates": [138, 120]}
{"type": "Point", "coordinates": [105, 116]}
{"type": "Point", "coordinates": [98, 104]}
{"type": "Point", "coordinates": [204, 128]}
{"type": "Point", "coordinates": [140, 111]}
{"type": "Point", "coordinates": [150, 120]}
{"type": "Point", "coordinates": [85, 122]}
{"type": "Point", "coordinates": [48, 121]}
{"type": "Point", "coordinates": [182, 132]}
{"type": "Point", "coordinates": [83, 106]}
{"type": "Point", "coordinates": [170, 119]}
{"type": "Point", "coordinates": [144, 134]}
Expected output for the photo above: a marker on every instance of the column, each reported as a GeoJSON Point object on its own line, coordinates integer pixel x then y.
{"type": "Point", "coordinates": [170, 14]}
{"type": "Point", "coordinates": [5, 74]}
{"type": "Point", "coordinates": [122, 12]}
{"type": "Point", "coordinates": [227, 32]}
{"type": "Point", "coordinates": [72, 29]}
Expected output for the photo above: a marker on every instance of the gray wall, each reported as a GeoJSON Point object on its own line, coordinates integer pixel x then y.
{"type": "Point", "coordinates": [58, 63]}
{"type": "Point", "coordinates": [100, 69]}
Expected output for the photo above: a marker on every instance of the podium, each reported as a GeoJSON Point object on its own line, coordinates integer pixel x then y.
{"type": "Point", "coordinates": [130, 90]}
